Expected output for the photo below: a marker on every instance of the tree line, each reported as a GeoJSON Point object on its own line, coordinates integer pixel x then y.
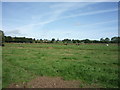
{"type": "Point", "coordinates": [10, 39]}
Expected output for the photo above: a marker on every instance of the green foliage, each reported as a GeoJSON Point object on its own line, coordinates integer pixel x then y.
{"type": "Point", "coordinates": [0, 67]}
{"type": "Point", "coordinates": [18, 39]}
{"type": "Point", "coordinates": [66, 41]}
{"type": "Point", "coordinates": [107, 40]}
{"type": "Point", "coordinates": [115, 39]}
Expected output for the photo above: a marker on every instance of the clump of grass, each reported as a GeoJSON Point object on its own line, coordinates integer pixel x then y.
{"type": "Point", "coordinates": [86, 57]}
{"type": "Point", "coordinates": [69, 58]}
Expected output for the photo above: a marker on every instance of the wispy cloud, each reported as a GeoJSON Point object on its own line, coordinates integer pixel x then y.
{"type": "Point", "coordinates": [76, 15]}
{"type": "Point", "coordinates": [53, 15]}
{"type": "Point", "coordinates": [41, 21]}
{"type": "Point", "coordinates": [98, 23]}
{"type": "Point", "coordinates": [57, 14]}
{"type": "Point", "coordinates": [90, 13]}
{"type": "Point", "coordinates": [14, 32]}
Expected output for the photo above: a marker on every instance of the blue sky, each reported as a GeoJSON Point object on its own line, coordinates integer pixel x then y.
{"type": "Point", "coordinates": [60, 20]}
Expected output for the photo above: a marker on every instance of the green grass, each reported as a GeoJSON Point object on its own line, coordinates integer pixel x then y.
{"type": "Point", "coordinates": [91, 64]}
{"type": "Point", "coordinates": [0, 67]}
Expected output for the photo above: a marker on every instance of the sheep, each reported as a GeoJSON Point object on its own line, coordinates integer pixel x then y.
{"type": "Point", "coordinates": [107, 45]}
{"type": "Point", "coordinates": [77, 44]}
{"type": "Point", "coordinates": [65, 43]}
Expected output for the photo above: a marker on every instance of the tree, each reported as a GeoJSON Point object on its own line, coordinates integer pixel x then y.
{"type": "Point", "coordinates": [57, 40]}
{"type": "Point", "coordinates": [107, 40]}
{"type": "Point", "coordinates": [114, 39]}
{"type": "Point", "coordinates": [95, 41]}
{"type": "Point", "coordinates": [102, 40]}
{"type": "Point", "coordinates": [86, 41]}
{"type": "Point", "coordinates": [41, 41]}
{"type": "Point", "coordinates": [53, 40]}
{"type": "Point", "coordinates": [8, 39]}
{"type": "Point", "coordinates": [66, 41]}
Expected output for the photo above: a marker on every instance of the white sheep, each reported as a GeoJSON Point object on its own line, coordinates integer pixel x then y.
{"type": "Point", "coordinates": [107, 44]}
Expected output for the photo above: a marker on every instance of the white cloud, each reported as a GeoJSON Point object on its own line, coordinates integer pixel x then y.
{"type": "Point", "coordinates": [14, 33]}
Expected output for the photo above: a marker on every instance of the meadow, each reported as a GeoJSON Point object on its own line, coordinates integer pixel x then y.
{"type": "Point", "coordinates": [95, 65]}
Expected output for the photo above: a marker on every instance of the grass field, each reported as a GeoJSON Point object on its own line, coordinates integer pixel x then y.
{"type": "Point", "coordinates": [0, 67]}
{"type": "Point", "coordinates": [94, 64]}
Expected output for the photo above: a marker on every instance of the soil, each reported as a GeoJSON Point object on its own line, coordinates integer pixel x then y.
{"type": "Point", "coordinates": [47, 82]}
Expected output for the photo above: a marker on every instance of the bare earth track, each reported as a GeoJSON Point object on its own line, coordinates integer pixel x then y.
{"type": "Point", "coordinates": [47, 82]}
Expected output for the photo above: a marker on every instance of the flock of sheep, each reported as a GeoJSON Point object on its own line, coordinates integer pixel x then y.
{"type": "Point", "coordinates": [79, 44]}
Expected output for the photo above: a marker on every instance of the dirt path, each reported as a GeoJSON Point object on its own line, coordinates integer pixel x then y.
{"type": "Point", "coordinates": [47, 82]}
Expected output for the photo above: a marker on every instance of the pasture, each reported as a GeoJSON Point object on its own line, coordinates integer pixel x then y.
{"type": "Point", "coordinates": [94, 65]}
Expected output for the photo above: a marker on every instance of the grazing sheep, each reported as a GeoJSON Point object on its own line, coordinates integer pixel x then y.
{"type": "Point", "coordinates": [77, 44]}
{"type": "Point", "coordinates": [107, 44]}
{"type": "Point", "coordinates": [65, 43]}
